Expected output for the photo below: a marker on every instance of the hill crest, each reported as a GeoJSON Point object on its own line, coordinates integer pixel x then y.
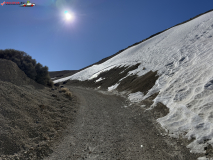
{"type": "Point", "coordinates": [10, 72]}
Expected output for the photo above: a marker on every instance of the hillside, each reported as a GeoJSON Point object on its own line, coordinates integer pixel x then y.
{"type": "Point", "coordinates": [10, 72]}
{"type": "Point", "coordinates": [177, 66]}
{"type": "Point", "coordinates": [59, 75]}
{"type": "Point", "coordinates": [32, 116]}
{"type": "Point", "coordinates": [54, 75]}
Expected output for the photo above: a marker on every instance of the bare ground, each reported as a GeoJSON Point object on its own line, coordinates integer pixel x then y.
{"type": "Point", "coordinates": [31, 119]}
{"type": "Point", "coordinates": [105, 129]}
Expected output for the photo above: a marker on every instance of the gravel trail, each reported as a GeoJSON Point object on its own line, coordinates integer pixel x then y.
{"type": "Point", "coordinates": [105, 129]}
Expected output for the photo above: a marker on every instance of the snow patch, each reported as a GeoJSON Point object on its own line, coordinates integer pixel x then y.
{"type": "Point", "coordinates": [136, 97]}
{"type": "Point", "coordinates": [99, 72]}
{"type": "Point", "coordinates": [113, 87]}
{"type": "Point", "coordinates": [204, 158]}
{"type": "Point", "coordinates": [100, 79]}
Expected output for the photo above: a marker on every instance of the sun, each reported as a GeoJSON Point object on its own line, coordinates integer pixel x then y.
{"type": "Point", "coordinates": [69, 16]}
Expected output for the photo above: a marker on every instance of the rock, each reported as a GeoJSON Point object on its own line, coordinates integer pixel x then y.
{"type": "Point", "coordinates": [53, 95]}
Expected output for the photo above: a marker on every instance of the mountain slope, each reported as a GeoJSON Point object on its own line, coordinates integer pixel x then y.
{"type": "Point", "coordinates": [54, 75]}
{"type": "Point", "coordinates": [32, 116]}
{"type": "Point", "coordinates": [10, 72]}
{"type": "Point", "coordinates": [182, 56]}
{"type": "Point", "coordinates": [58, 74]}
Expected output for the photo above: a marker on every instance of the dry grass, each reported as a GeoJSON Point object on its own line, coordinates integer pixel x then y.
{"type": "Point", "coordinates": [64, 90]}
{"type": "Point", "coordinates": [67, 92]}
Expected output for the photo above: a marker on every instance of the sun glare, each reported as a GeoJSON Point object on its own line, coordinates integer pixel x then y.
{"type": "Point", "coordinates": [68, 16]}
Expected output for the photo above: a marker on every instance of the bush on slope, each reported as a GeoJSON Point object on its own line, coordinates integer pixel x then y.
{"type": "Point", "coordinates": [30, 67]}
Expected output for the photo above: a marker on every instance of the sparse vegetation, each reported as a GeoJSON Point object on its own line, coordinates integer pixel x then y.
{"type": "Point", "coordinates": [64, 89]}
{"type": "Point", "coordinates": [30, 67]}
{"type": "Point", "coordinates": [67, 92]}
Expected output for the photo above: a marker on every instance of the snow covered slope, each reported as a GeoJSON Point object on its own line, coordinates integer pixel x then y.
{"type": "Point", "coordinates": [183, 57]}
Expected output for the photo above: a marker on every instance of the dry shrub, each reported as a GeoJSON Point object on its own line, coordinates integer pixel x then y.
{"type": "Point", "coordinates": [64, 90]}
{"type": "Point", "coordinates": [31, 68]}
{"type": "Point", "coordinates": [67, 92]}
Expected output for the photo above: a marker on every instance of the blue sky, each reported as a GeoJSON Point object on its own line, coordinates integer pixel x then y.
{"type": "Point", "coordinates": [99, 29]}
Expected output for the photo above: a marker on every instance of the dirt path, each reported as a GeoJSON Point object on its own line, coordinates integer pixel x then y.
{"type": "Point", "coordinates": [107, 130]}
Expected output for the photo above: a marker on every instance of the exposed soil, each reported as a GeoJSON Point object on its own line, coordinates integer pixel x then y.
{"type": "Point", "coordinates": [106, 129]}
{"type": "Point", "coordinates": [113, 76]}
{"type": "Point", "coordinates": [118, 75]}
{"type": "Point", "coordinates": [135, 83]}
